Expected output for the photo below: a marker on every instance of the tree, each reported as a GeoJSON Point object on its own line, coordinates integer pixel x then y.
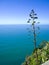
{"type": "Point", "coordinates": [33, 23]}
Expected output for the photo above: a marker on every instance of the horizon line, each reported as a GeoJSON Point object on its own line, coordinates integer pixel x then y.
{"type": "Point", "coordinates": [23, 24]}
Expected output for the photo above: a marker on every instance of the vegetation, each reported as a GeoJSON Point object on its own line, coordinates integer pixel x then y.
{"type": "Point", "coordinates": [33, 17]}
{"type": "Point", "coordinates": [40, 53]}
{"type": "Point", "coordinates": [43, 55]}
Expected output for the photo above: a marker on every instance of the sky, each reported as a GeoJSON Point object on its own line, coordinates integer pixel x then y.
{"type": "Point", "coordinates": [17, 11]}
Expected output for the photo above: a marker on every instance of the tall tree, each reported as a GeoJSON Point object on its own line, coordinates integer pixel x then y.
{"type": "Point", "coordinates": [33, 23]}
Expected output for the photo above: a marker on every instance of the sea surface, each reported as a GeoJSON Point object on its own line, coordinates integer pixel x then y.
{"type": "Point", "coordinates": [16, 42]}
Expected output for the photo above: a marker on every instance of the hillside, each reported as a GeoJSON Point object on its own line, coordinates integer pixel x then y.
{"type": "Point", "coordinates": [43, 55]}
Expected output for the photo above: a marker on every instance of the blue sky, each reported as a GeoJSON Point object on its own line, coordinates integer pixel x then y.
{"type": "Point", "coordinates": [17, 11]}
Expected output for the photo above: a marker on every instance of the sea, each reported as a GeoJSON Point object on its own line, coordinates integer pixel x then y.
{"type": "Point", "coordinates": [16, 42]}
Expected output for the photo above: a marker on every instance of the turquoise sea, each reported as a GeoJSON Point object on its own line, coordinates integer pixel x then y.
{"type": "Point", "coordinates": [15, 44]}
